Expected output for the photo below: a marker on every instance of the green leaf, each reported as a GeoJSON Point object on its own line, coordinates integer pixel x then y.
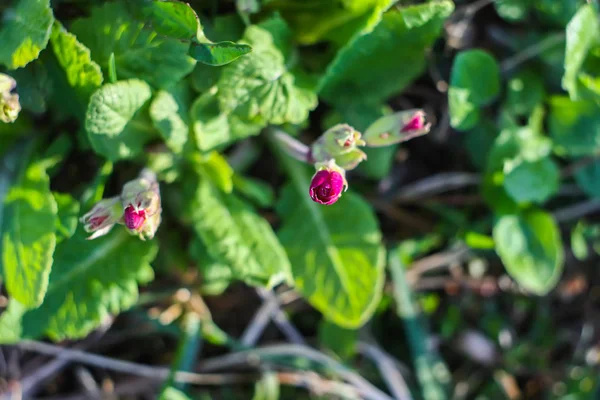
{"type": "Point", "coordinates": [365, 67]}
{"type": "Point", "coordinates": [236, 236]}
{"type": "Point", "coordinates": [82, 74]}
{"type": "Point", "coordinates": [479, 141]}
{"type": "Point", "coordinates": [216, 276]}
{"type": "Point", "coordinates": [259, 88]}
{"type": "Point", "coordinates": [531, 249]}
{"type": "Point", "coordinates": [474, 82]}
{"type": "Point", "coordinates": [257, 191]}
{"type": "Point", "coordinates": [214, 128]}
{"type": "Point", "coordinates": [525, 92]}
{"type": "Point", "coordinates": [25, 32]}
{"type": "Point", "coordinates": [217, 54]}
{"type": "Point", "coordinates": [574, 126]}
{"type": "Point", "coordinates": [204, 77]}
{"type": "Point", "coordinates": [336, 252]}
{"type": "Point", "coordinates": [314, 21]}
{"type": "Point", "coordinates": [171, 393]}
{"type": "Point", "coordinates": [532, 181]}
{"type": "Point", "coordinates": [215, 167]}
{"type": "Point", "coordinates": [583, 32]}
{"type": "Point", "coordinates": [169, 114]}
{"type": "Point", "coordinates": [268, 387]}
{"type": "Point", "coordinates": [588, 178]}
{"type": "Point", "coordinates": [116, 128]}
{"type": "Point", "coordinates": [169, 18]}
{"type": "Point", "coordinates": [28, 235]}
{"type": "Point", "coordinates": [138, 51]}
{"type": "Point", "coordinates": [91, 280]}
{"type": "Point", "coordinates": [513, 10]}
{"type": "Point", "coordinates": [68, 211]}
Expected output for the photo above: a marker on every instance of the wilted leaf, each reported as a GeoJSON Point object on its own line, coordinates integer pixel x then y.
{"type": "Point", "coordinates": [116, 128]}
{"type": "Point", "coordinates": [25, 32]}
{"type": "Point", "coordinates": [531, 249]}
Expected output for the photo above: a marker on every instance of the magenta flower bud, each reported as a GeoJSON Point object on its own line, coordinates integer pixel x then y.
{"type": "Point", "coordinates": [134, 219]}
{"type": "Point", "coordinates": [416, 123]}
{"type": "Point", "coordinates": [326, 186]}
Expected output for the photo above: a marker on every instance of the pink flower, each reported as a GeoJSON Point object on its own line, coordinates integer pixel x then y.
{"type": "Point", "coordinates": [326, 186]}
{"type": "Point", "coordinates": [102, 217]}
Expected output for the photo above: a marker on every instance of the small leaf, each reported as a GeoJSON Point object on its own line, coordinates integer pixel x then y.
{"type": "Point", "coordinates": [169, 18]}
{"type": "Point", "coordinates": [236, 236]}
{"type": "Point", "coordinates": [525, 92]}
{"type": "Point", "coordinates": [474, 82]}
{"type": "Point", "coordinates": [339, 340]}
{"type": "Point", "coordinates": [90, 281]}
{"type": "Point", "coordinates": [532, 181]}
{"type": "Point", "coordinates": [531, 249]}
{"type": "Point", "coordinates": [336, 252]}
{"type": "Point", "coordinates": [204, 77]}
{"type": "Point", "coordinates": [169, 115]}
{"type": "Point", "coordinates": [513, 10]}
{"type": "Point", "coordinates": [28, 235]}
{"type": "Point", "coordinates": [217, 54]}
{"type": "Point", "coordinates": [583, 32]}
{"type": "Point", "coordinates": [25, 32]}
{"type": "Point", "coordinates": [138, 51]}
{"type": "Point", "coordinates": [574, 126]}
{"type": "Point", "coordinates": [254, 190]}
{"type": "Point", "coordinates": [214, 167]}
{"type": "Point", "coordinates": [68, 213]}
{"type": "Point", "coordinates": [114, 125]}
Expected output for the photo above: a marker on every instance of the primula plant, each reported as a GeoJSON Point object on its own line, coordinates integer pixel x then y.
{"type": "Point", "coordinates": [407, 190]}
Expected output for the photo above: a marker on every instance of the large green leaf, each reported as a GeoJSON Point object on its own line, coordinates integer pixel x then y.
{"type": "Point", "coordinates": [379, 64]}
{"type": "Point", "coordinates": [259, 87]}
{"type": "Point", "coordinates": [116, 128]}
{"type": "Point", "coordinates": [583, 32]}
{"type": "Point", "coordinates": [588, 178]}
{"type": "Point", "coordinates": [236, 236]}
{"type": "Point", "coordinates": [531, 249]}
{"type": "Point", "coordinates": [336, 252]}
{"type": "Point", "coordinates": [169, 114]}
{"type": "Point", "coordinates": [574, 126]}
{"type": "Point", "coordinates": [316, 20]}
{"type": "Point", "coordinates": [91, 280]}
{"type": "Point", "coordinates": [28, 238]}
{"type": "Point", "coordinates": [82, 74]}
{"type": "Point", "coordinates": [68, 211]}
{"type": "Point", "coordinates": [138, 51]}
{"type": "Point", "coordinates": [532, 181]}
{"type": "Point", "coordinates": [25, 32]}
{"type": "Point", "coordinates": [474, 82]}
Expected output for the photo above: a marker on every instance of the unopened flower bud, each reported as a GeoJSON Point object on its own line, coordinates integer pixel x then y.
{"type": "Point", "coordinates": [397, 128]}
{"type": "Point", "coordinates": [102, 217]}
{"type": "Point", "coordinates": [9, 102]}
{"type": "Point", "coordinates": [140, 201]}
{"type": "Point", "coordinates": [340, 143]}
{"type": "Point", "coordinates": [416, 123]}
{"type": "Point", "coordinates": [327, 184]}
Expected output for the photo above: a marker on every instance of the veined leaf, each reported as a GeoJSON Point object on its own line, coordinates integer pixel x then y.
{"type": "Point", "coordinates": [169, 114]}
{"type": "Point", "coordinates": [25, 32]}
{"type": "Point", "coordinates": [531, 249]}
{"type": "Point", "coordinates": [138, 51]}
{"type": "Point", "coordinates": [114, 125]}
{"type": "Point", "coordinates": [170, 18]}
{"type": "Point", "coordinates": [29, 238]}
{"type": "Point", "coordinates": [336, 252]}
{"type": "Point", "coordinates": [217, 54]}
{"type": "Point", "coordinates": [91, 280]}
{"type": "Point", "coordinates": [216, 276]}
{"type": "Point", "coordinates": [236, 236]}
{"type": "Point", "coordinates": [394, 53]}
{"type": "Point", "coordinates": [259, 88]}
{"type": "Point", "coordinates": [82, 74]}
